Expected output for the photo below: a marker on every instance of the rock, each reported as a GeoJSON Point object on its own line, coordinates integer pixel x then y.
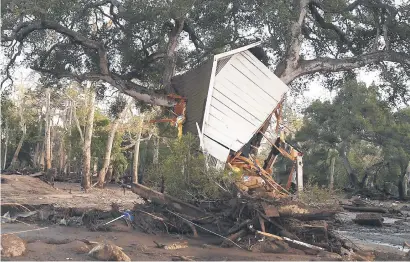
{"type": "Point", "coordinates": [78, 247]}
{"type": "Point", "coordinates": [108, 252]}
{"type": "Point", "coordinates": [12, 246]}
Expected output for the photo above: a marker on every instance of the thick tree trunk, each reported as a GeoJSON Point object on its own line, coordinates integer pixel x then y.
{"type": "Point", "coordinates": [47, 137]}
{"type": "Point", "coordinates": [170, 58]}
{"type": "Point", "coordinates": [403, 183]}
{"type": "Point", "coordinates": [350, 171]}
{"type": "Point", "coordinates": [108, 148]}
{"type": "Point", "coordinates": [23, 136]}
{"type": "Point", "coordinates": [136, 153]}
{"type": "Point", "coordinates": [332, 173]}
{"type": "Point", "coordinates": [87, 142]}
{"type": "Point", "coordinates": [17, 152]}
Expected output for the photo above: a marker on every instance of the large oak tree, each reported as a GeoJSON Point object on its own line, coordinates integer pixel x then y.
{"type": "Point", "coordinates": [137, 45]}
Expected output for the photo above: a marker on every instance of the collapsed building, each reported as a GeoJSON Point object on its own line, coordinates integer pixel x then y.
{"type": "Point", "coordinates": [229, 102]}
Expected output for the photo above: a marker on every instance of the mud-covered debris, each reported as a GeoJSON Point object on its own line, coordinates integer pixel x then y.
{"type": "Point", "coordinates": [108, 252]}
{"type": "Point", "coordinates": [369, 219]}
{"type": "Point", "coordinates": [12, 246]}
{"type": "Point", "coordinates": [174, 246]}
{"type": "Point", "coordinates": [182, 258]}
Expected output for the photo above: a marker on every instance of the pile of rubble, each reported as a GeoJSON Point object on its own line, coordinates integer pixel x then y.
{"type": "Point", "coordinates": [251, 223]}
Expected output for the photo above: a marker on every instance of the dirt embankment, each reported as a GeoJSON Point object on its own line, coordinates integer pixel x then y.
{"type": "Point", "coordinates": [33, 191]}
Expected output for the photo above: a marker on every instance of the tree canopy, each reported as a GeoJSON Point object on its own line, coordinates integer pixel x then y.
{"type": "Point", "coordinates": [368, 137]}
{"type": "Point", "coordinates": [137, 46]}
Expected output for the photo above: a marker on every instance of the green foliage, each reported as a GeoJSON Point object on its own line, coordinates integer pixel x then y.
{"type": "Point", "coordinates": [184, 173]}
{"type": "Point", "coordinates": [319, 196]}
{"type": "Point", "coordinates": [361, 125]}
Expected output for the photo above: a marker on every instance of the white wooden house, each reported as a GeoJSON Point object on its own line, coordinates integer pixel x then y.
{"type": "Point", "coordinates": [228, 99]}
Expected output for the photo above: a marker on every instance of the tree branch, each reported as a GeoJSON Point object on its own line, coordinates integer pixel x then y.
{"type": "Point", "coordinates": [343, 64]}
{"type": "Point", "coordinates": [9, 64]}
{"type": "Point", "coordinates": [128, 87]}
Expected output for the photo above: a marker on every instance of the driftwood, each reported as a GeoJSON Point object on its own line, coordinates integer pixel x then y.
{"type": "Point", "coordinates": [169, 201]}
{"type": "Point", "coordinates": [369, 219]}
{"type": "Point", "coordinates": [37, 174]}
{"type": "Point", "coordinates": [365, 209]}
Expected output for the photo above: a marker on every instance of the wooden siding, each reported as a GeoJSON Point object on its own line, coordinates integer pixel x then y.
{"type": "Point", "coordinates": [244, 93]}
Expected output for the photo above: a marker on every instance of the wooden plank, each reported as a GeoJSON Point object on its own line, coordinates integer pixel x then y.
{"type": "Point", "coordinates": [216, 150]}
{"type": "Point", "coordinates": [236, 108]}
{"type": "Point", "coordinates": [242, 93]}
{"type": "Point", "coordinates": [254, 73]}
{"type": "Point", "coordinates": [239, 79]}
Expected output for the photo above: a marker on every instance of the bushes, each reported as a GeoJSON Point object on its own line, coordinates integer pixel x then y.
{"type": "Point", "coordinates": [182, 173]}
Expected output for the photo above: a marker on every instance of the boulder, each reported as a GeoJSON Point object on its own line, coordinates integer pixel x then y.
{"type": "Point", "coordinates": [12, 246]}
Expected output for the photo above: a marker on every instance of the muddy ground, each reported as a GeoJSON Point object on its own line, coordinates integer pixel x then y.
{"type": "Point", "coordinates": [60, 242]}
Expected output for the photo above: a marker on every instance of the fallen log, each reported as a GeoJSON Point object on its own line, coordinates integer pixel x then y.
{"type": "Point", "coordinates": [369, 219]}
{"type": "Point", "coordinates": [169, 201]}
{"type": "Point", "coordinates": [238, 227]}
{"type": "Point", "coordinates": [232, 238]}
{"type": "Point", "coordinates": [317, 215]}
{"type": "Point", "coordinates": [36, 174]}
{"type": "Point", "coordinates": [365, 209]}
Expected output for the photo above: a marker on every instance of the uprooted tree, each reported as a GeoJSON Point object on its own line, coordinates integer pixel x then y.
{"type": "Point", "coordinates": [136, 46]}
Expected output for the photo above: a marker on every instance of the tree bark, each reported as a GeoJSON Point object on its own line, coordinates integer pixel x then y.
{"type": "Point", "coordinates": [332, 173]}
{"type": "Point", "coordinates": [23, 136]}
{"type": "Point", "coordinates": [47, 137]}
{"type": "Point", "coordinates": [67, 167]}
{"type": "Point", "coordinates": [156, 151]}
{"type": "Point", "coordinates": [346, 163]}
{"type": "Point", "coordinates": [6, 143]}
{"type": "Point", "coordinates": [171, 56]}
{"type": "Point", "coordinates": [136, 153]}
{"type": "Point", "coordinates": [108, 148]}
{"type": "Point", "coordinates": [17, 152]}
{"type": "Point", "coordinates": [403, 183]}
{"type": "Point", "coordinates": [37, 152]}
{"type": "Point", "coordinates": [87, 141]}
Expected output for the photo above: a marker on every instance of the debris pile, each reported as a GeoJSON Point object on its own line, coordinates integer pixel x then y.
{"type": "Point", "coordinates": [252, 223]}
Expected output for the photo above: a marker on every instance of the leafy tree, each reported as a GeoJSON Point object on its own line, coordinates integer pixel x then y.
{"type": "Point", "coordinates": [367, 135]}
{"type": "Point", "coordinates": [136, 45]}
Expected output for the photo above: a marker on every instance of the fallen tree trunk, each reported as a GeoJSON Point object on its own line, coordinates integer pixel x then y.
{"type": "Point", "coordinates": [365, 209]}
{"type": "Point", "coordinates": [322, 215]}
{"type": "Point", "coordinates": [169, 201]}
{"type": "Point", "coordinates": [36, 174]}
{"type": "Point", "coordinates": [369, 220]}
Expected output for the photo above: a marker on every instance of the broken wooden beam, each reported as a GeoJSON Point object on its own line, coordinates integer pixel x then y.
{"type": "Point", "coordinates": [369, 219]}
{"type": "Point", "coordinates": [268, 235]}
{"type": "Point", "coordinates": [365, 209]}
